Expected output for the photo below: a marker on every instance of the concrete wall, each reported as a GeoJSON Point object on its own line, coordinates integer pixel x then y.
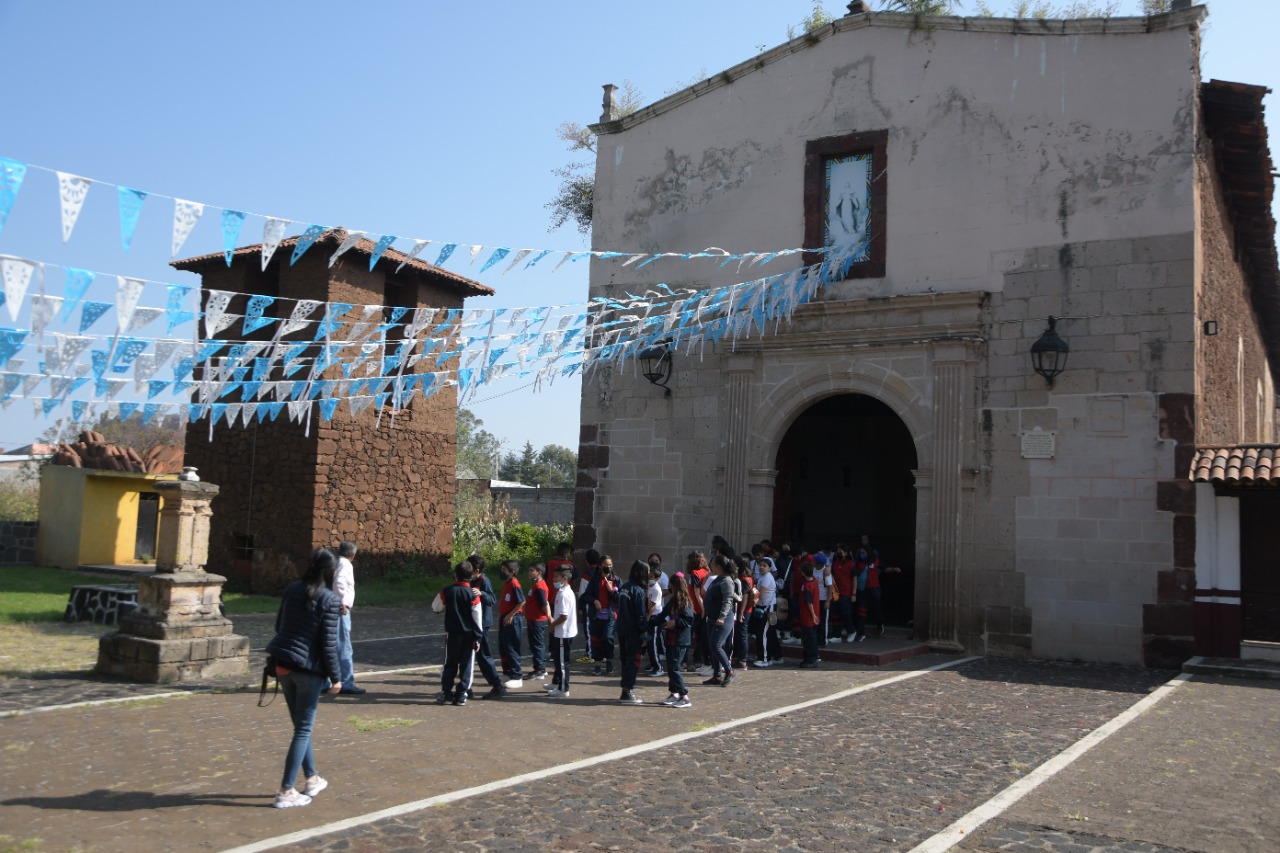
{"type": "Point", "coordinates": [538, 505]}
{"type": "Point", "coordinates": [88, 516]}
{"type": "Point", "coordinates": [1023, 181]}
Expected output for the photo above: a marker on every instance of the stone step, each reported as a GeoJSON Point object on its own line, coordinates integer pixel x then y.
{"type": "Point", "coordinates": [1260, 650]}
{"type": "Point", "coordinates": [1233, 667]}
{"type": "Point", "coordinates": [873, 652]}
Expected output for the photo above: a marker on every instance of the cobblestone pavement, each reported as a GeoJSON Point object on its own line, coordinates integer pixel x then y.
{"type": "Point", "coordinates": [878, 771]}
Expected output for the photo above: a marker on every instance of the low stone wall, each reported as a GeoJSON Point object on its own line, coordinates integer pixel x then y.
{"type": "Point", "coordinates": [102, 604]}
{"type": "Point", "coordinates": [18, 542]}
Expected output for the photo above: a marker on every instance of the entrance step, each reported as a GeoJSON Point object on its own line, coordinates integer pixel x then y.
{"type": "Point", "coordinates": [874, 652]}
{"type": "Point", "coordinates": [131, 570]}
{"type": "Point", "coordinates": [1260, 650]}
{"type": "Point", "coordinates": [1234, 667]}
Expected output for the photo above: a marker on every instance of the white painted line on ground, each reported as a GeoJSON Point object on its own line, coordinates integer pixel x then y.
{"type": "Point", "coordinates": [96, 702]}
{"type": "Point", "coordinates": [21, 712]}
{"type": "Point", "coordinates": [964, 827]}
{"type": "Point", "coordinates": [381, 639]}
{"type": "Point", "coordinates": [583, 764]}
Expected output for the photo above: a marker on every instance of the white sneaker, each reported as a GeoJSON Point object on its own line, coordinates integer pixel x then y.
{"type": "Point", "coordinates": [558, 694]}
{"type": "Point", "coordinates": [315, 785]}
{"type": "Point", "coordinates": [672, 699]}
{"type": "Point", "coordinates": [291, 799]}
{"type": "Point", "coordinates": [761, 664]}
{"type": "Point", "coordinates": [682, 702]}
{"type": "Point", "coordinates": [705, 671]}
{"type": "Point", "coordinates": [514, 684]}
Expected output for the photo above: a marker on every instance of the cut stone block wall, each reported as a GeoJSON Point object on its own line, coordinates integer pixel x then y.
{"type": "Point", "coordinates": [18, 542]}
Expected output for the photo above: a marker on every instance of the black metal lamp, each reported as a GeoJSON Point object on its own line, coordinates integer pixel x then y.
{"type": "Point", "coordinates": [655, 364]}
{"type": "Point", "coordinates": [1049, 353]}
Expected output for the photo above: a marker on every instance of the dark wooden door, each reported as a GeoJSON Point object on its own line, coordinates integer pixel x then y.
{"type": "Point", "coordinates": [144, 547]}
{"type": "Point", "coordinates": [1260, 565]}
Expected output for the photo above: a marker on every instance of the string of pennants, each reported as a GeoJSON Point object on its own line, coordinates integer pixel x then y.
{"type": "Point", "coordinates": [73, 190]}
{"type": "Point", "coordinates": [321, 354]}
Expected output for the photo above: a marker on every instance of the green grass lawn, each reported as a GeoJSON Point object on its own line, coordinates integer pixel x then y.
{"type": "Point", "coordinates": [39, 593]}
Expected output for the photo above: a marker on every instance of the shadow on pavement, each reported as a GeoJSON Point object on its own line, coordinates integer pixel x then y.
{"type": "Point", "coordinates": [103, 800]}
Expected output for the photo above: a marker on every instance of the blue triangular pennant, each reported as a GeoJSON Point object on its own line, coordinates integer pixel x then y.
{"type": "Point", "coordinates": [155, 388]}
{"type": "Point", "coordinates": [498, 254]}
{"type": "Point", "coordinates": [49, 404]}
{"type": "Point", "coordinates": [382, 245]}
{"type": "Point", "coordinates": [77, 282]}
{"type": "Point", "coordinates": [77, 410]}
{"type": "Point", "coordinates": [306, 241]}
{"type": "Point", "coordinates": [130, 209]}
{"type": "Point", "coordinates": [11, 174]}
{"type": "Point", "coordinates": [232, 222]}
{"type": "Point", "coordinates": [149, 411]}
{"type": "Point", "coordinates": [90, 312]}
{"type": "Point", "coordinates": [445, 251]}
{"type": "Point", "coordinates": [99, 359]}
{"type": "Point", "coordinates": [328, 407]}
{"type": "Point", "coordinates": [11, 341]}
{"type": "Point", "coordinates": [127, 409]}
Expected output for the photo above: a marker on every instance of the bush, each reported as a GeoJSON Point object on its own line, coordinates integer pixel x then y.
{"type": "Point", "coordinates": [19, 500]}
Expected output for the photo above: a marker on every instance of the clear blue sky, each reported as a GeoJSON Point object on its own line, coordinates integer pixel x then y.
{"type": "Point", "coordinates": [433, 120]}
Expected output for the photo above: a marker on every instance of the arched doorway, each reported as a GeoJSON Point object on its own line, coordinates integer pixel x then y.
{"type": "Point", "coordinates": [844, 469]}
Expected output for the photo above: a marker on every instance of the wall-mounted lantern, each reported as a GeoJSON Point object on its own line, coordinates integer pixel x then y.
{"type": "Point", "coordinates": [655, 364]}
{"type": "Point", "coordinates": [1210, 328]}
{"type": "Point", "coordinates": [1049, 353]}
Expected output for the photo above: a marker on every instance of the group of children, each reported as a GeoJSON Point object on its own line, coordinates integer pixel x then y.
{"type": "Point", "coordinates": [700, 619]}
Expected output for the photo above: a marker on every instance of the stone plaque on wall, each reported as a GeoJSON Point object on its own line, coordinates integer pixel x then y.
{"type": "Point", "coordinates": [1039, 444]}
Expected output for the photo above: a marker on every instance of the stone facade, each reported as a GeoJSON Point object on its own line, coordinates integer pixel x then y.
{"type": "Point", "coordinates": [18, 542]}
{"type": "Point", "coordinates": [1021, 184]}
{"type": "Point", "coordinates": [386, 483]}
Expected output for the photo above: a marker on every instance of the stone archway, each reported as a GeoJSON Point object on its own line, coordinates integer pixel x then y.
{"type": "Point", "coordinates": [846, 467]}
{"type": "Point", "coordinates": [934, 407]}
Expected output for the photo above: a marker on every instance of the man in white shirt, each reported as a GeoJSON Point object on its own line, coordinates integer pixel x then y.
{"type": "Point", "coordinates": [344, 585]}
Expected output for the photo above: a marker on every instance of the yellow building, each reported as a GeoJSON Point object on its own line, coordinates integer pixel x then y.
{"type": "Point", "coordinates": [94, 517]}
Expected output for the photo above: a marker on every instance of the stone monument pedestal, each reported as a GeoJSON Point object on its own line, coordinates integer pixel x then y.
{"type": "Point", "coordinates": [177, 632]}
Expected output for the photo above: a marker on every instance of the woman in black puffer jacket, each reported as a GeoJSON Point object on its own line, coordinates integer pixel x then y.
{"type": "Point", "coordinates": [305, 649]}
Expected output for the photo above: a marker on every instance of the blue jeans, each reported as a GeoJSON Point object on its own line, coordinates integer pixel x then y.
{"type": "Point", "coordinates": [720, 662]}
{"type": "Point", "coordinates": [346, 661]}
{"type": "Point", "coordinates": [675, 663]}
{"type": "Point", "coordinates": [302, 695]}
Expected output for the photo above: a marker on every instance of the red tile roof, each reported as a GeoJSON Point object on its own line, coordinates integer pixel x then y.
{"type": "Point", "coordinates": [1238, 465]}
{"type": "Point", "coordinates": [332, 238]}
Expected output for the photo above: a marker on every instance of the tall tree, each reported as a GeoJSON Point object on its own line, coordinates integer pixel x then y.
{"type": "Point", "coordinates": [557, 467]}
{"type": "Point", "coordinates": [129, 432]}
{"type": "Point", "coordinates": [478, 448]}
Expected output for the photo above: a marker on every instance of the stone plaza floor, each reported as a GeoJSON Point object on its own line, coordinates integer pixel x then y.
{"type": "Point", "coordinates": [841, 758]}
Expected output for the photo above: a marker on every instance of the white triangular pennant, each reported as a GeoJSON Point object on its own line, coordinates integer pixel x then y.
{"type": "Point", "coordinates": [142, 317]}
{"type": "Point", "coordinates": [72, 190]}
{"type": "Point", "coordinates": [16, 274]}
{"type": "Point", "coordinates": [214, 307]}
{"type": "Point", "coordinates": [272, 234]}
{"type": "Point", "coordinates": [519, 256]}
{"type": "Point", "coordinates": [475, 251]}
{"type": "Point", "coordinates": [298, 410]}
{"type": "Point", "coordinates": [348, 241]}
{"type": "Point", "coordinates": [185, 216]}
{"type": "Point", "coordinates": [127, 292]}
{"type": "Point", "coordinates": [233, 412]}
{"type": "Point", "coordinates": [298, 318]}
{"type": "Point", "coordinates": [418, 246]}
{"type": "Point", "coordinates": [43, 310]}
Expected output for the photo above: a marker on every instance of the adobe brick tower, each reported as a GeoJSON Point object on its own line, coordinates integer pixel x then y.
{"type": "Point", "coordinates": [387, 485]}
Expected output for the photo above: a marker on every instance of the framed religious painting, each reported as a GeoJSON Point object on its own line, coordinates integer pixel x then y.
{"type": "Point", "coordinates": [845, 185]}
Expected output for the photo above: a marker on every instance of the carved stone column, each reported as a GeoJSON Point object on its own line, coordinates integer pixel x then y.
{"type": "Point", "coordinates": [738, 436]}
{"type": "Point", "coordinates": [178, 631]}
{"type": "Point", "coordinates": [950, 390]}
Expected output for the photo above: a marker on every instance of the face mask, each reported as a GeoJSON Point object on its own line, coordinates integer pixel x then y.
{"type": "Point", "coordinates": [653, 583]}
